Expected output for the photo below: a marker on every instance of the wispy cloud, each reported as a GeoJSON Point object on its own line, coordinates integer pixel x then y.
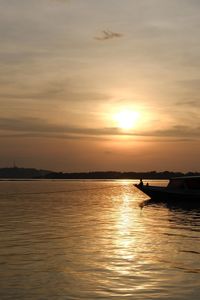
{"type": "Point", "coordinates": [107, 35]}
{"type": "Point", "coordinates": [36, 127]}
{"type": "Point", "coordinates": [39, 125]}
{"type": "Point", "coordinates": [190, 103]}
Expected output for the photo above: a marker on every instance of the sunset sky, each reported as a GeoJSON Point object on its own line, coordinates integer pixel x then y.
{"type": "Point", "coordinates": [100, 84]}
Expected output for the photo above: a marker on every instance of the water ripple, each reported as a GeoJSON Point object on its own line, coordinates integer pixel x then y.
{"type": "Point", "coordinates": [91, 240]}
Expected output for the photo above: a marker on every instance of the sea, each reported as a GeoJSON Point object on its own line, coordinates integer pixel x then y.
{"type": "Point", "coordinates": [94, 239]}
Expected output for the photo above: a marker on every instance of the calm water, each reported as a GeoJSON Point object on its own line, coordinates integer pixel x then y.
{"type": "Point", "coordinates": [91, 240]}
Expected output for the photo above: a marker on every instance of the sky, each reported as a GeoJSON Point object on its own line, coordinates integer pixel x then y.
{"type": "Point", "coordinates": [74, 72]}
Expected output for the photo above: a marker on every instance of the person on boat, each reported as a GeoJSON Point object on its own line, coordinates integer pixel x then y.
{"type": "Point", "coordinates": [141, 182]}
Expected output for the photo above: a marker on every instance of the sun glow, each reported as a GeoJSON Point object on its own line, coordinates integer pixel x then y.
{"type": "Point", "coordinates": [126, 119]}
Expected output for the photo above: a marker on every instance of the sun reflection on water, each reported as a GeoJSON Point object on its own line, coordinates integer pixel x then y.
{"type": "Point", "coordinates": [123, 239]}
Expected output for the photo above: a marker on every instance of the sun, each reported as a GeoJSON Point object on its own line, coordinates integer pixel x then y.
{"type": "Point", "coordinates": [126, 119]}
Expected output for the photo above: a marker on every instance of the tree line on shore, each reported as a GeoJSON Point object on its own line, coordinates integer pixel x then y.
{"type": "Point", "coordinates": [31, 173]}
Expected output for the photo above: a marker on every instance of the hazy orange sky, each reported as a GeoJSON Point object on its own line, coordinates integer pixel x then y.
{"type": "Point", "coordinates": [70, 68]}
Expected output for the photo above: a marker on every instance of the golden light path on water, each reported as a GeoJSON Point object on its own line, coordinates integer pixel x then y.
{"type": "Point", "coordinates": [125, 245]}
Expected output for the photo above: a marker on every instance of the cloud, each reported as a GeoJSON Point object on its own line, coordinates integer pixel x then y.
{"type": "Point", "coordinates": [190, 103]}
{"type": "Point", "coordinates": [179, 131]}
{"type": "Point", "coordinates": [39, 125]}
{"type": "Point", "coordinates": [107, 35]}
{"type": "Point", "coordinates": [51, 136]}
{"type": "Point", "coordinates": [61, 90]}
{"type": "Point", "coordinates": [35, 127]}
{"type": "Point", "coordinates": [44, 93]}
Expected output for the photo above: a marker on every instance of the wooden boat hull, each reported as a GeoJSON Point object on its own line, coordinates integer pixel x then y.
{"type": "Point", "coordinates": [164, 194]}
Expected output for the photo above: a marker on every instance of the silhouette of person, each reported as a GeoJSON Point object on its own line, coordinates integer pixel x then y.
{"type": "Point", "coordinates": [141, 182]}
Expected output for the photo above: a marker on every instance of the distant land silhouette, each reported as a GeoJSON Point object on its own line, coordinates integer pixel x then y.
{"type": "Point", "coordinates": [31, 173]}
{"type": "Point", "coordinates": [22, 173]}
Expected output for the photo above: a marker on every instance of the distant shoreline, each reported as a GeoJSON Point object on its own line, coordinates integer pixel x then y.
{"type": "Point", "coordinates": [16, 173]}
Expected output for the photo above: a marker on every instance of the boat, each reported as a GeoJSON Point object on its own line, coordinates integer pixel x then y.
{"type": "Point", "coordinates": [185, 189]}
